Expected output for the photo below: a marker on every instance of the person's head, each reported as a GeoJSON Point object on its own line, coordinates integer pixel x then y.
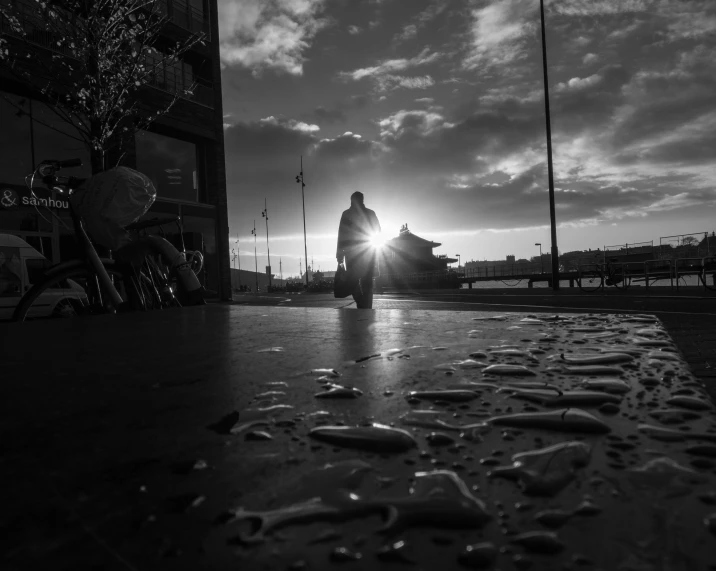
{"type": "Point", "coordinates": [357, 199]}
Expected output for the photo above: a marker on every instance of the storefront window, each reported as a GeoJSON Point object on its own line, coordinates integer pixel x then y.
{"type": "Point", "coordinates": [24, 219]}
{"type": "Point", "coordinates": [16, 156]}
{"type": "Point", "coordinates": [170, 163]}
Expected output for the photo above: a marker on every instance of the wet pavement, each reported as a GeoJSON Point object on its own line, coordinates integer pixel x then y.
{"type": "Point", "coordinates": [251, 437]}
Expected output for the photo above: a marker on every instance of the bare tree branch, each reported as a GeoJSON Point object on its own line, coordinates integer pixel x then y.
{"type": "Point", "coordinates": [90, 59]}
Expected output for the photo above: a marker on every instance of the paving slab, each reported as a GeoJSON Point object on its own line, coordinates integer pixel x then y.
{"type": "Point", "coordinates": [236, 437]}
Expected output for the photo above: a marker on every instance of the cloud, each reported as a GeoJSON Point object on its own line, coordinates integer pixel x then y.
{"type": "Point", "coordinates": [354, 30]}
{"type": "Point", "coordinates": [590, 58]}
{"type": "Point", "coordinates": [422, 19]}
{"type": "Point", "coordinates": [428, 100]}
{"type": "Point", "coordinates": [410, 31]}
{"type": "Point", "coordinates": [498, 32]}
{"type": "Point", "coordinates": [693, 20]}
{"type": "Point", "coordinates": [418, 82]}
{"type": "Point", "coordinates": [269, 34]}
{"type": "Point", "coordinates": [338, 112]}
{"type": "Point", "coordinates": [347, 147]}
{"type": "Point", "coordinates": [290, 124]}
{"type": "Point", "coordinates": [601, 7]}
{"type": "Point", "coordinates": [580, 83]}
{"type": "Point", "coordinates": [392, 65]}
{"type": "Point", "coordinates": [329, 115]}
{"type": "Point", "coordinates": [582, 41]}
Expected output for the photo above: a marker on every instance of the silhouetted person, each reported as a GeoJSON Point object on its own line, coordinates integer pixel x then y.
{"type": "Point", "coordinates": [358, 226]}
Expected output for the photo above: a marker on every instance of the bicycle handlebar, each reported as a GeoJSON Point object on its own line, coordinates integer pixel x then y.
{"type": "Point", "coordinates": [65, 164]}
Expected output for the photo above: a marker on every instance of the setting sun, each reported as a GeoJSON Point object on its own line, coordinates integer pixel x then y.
{"type": "Point", "coordinates": [377, 240]}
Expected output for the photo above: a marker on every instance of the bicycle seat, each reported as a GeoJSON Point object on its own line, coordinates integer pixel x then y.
{"type": "Point", "coordinates": [142, 225]}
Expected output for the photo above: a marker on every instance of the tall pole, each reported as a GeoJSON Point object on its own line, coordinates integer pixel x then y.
{"type": "Point", "coordinates": [238, 253]}
{"type": "Point", "coordinates": [280, 269]}
{"type": "Point", "coordinates": [541, 259]}
{"type": "Point", "coordinates": [299, 178]}
{"type": "Point", "coordinates": [550, 172]}
{"type": "Point", "coordinates": [256, 259]}
{"type": "Point", "coordinates": [265, 215]}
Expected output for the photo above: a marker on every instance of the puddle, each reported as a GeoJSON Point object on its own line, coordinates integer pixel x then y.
{"type": "Point", "coordinates": [566, 398]}
{"type": "Point", "coordinates": [593, 370]}
{"type": "Point", "coordinates": [565, 420]}
{"type": "Point", "coordinates": [447, 395]}
{"type": "Point", "coordinates": [438, 498]}
{"type": "Point", "coordinates": [547, 471]}
{"type": "Point", "coordinates": [375, 438]}
{"type": "Point", "coordinates": [589, 359]}
{"type": "Point", "coordinates": [339, 392]}
{"type": "Point", "coordinates": [614, 386]}
{"type": "Point", "coordinates": [508, 370]}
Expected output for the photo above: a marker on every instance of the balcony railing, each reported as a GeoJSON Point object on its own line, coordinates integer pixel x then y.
{"type": "Point", "coordinates": [186, 16]}
{"type": "Point", "coordinates": [33, 26]}
{"type": "Point", "coordinates": [179, 12]}
{"type": "Point", "coordinates": [202, 93]}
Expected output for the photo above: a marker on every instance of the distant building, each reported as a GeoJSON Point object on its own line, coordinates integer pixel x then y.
{"type": "Point", "coordinates": [510, 259]}
{"type": "Point", "coordinates": [408, 253]}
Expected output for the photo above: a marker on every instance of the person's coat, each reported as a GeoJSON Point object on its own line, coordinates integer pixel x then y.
{"type": "Point", "coordinates": [357, 228]}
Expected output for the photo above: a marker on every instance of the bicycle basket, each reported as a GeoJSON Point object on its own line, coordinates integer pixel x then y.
{"type": "Point", "coordinates": [111, 200]}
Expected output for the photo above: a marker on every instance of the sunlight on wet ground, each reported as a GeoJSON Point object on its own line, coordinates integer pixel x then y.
{"type": "Point", "coordinates": [532, 442]}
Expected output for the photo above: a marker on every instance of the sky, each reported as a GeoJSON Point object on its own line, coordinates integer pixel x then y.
{"type": "Point", "coordinates": [435, 110]}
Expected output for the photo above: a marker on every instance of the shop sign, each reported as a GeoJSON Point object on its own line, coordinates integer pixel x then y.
{"type": "Point", "coordinates": [10, 198]}
{"type": "Point", "coordinates": [48, 202]}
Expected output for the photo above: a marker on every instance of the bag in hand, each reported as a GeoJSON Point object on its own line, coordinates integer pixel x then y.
{"type": "Point", "coordinates": [343, 286]}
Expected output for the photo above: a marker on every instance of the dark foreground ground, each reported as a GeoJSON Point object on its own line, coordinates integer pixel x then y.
{"type": "Point", "coordinates": [203, 438]}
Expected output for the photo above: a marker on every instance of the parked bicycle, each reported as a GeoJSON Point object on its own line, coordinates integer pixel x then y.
{"type": "Point", "coordinates": [611, 272]}
{"type": "Point", "coordinates": [148, 273]}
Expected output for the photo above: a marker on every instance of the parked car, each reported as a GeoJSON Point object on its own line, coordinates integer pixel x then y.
{"type": "Point", "coordinates": [21, 266]}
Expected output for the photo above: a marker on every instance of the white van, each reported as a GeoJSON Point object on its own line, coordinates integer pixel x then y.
{"type": "Point", "coordinates": [20, 266]}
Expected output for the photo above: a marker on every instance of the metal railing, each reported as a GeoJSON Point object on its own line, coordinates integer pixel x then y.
{"type": "Point", "coordinates": [33, 26]}
{"type": "Point", "coordinates": [419, 277]}
{"type": "Point", "coordinates": [500, 271]}
{"type": "Point", "coordinates": [202, 91]}
{"type": "Point", "coordinates": [186, 16]}
{"type": "Point", "coordinates": [178, 12]}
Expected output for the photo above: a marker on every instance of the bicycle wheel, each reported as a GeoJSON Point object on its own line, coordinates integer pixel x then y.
{"type": "Point", "coordinates": [619, 278]}
{"type": "Point", "coordinates": [68, 293]}
{"type": "Point", "coordinates": [590, 280]}
{"type": "Point", "coordinates": [708, 275]}
{"type": "Point", "coordinates": [157, 281]}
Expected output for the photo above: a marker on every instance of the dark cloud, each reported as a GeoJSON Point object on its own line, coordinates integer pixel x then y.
{"type": "Point", "coordinates": [337, 113]}
{"type": "Point", "coordinates": [576, 108]}
{"type": "Point", "coordinates": [324, 115]}
{"type": "Point", "coordinates": [345, 147]}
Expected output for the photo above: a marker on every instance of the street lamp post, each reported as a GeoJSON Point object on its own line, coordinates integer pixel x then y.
{"type": "Point", "coordinates": [458, 261]}
{"type": "Point", "coordinates": [268, 252]}
{"type": "Point", "coordinates": [299, 178]}
{"type": "Point", "coordinates": [233, 255]}
{"type": "Point", "coordinates": [238, 255]}
{"type": "Point", "coordinates": [541, 260]}
{"type": "Point", "coordinates": [256, 259]}
{"type": "Point", "coordinates": [550, 172]}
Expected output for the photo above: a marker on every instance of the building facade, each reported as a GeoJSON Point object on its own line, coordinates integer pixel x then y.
{"type": "Point", "coordinates": [182, 152]}
{"type": "Point", "coordinates": [408, 253]}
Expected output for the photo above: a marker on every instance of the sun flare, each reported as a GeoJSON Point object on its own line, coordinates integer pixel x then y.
{"type": "Point", "coordinates": [377, 240]}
